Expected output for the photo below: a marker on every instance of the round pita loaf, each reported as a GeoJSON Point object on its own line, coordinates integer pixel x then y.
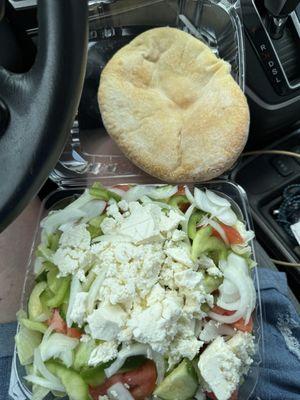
{"type": "Point", "coordinates": [173, 107]}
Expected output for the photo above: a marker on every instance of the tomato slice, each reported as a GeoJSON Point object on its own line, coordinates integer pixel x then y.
{"type": "Point", "coordinates": [212, 396]}
{"type": "Point", "coordinates": [233, 236]}
{"type": "Point", "coordinates": [241, 326]}
{"type": "Point", "coordinates": [57, 322]}
{"type": "Point", "coordinates": [125, 188]}
{"type": "Point", "coordinates": [140, 382]}
{"type": "Point", "coordinates": [74, 333]}
{"type": "Point", "coordinates": [221, 311]}
{"type": "Point", "coordinates": [181, 190]}
{"type": "Point", "coordinates": [60, 326]}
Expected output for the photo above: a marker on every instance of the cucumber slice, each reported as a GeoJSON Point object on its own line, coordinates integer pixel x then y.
{"type": "Point", "coordinates": [82, 354]}
{"type": "Point", "coordinates": [26, 341]}
{"type": "Point", "coordinates": [205, 243]}
{"type": "Point", "coordinates": [75, 386]}
{"type": "Point", "coordinates": [96, 376]}
{"type": "Point", "coordinates": [180, 384]}
{"type": "Point", "coordinates": [62, 287]}
{"type": "Point", "coordinates": [33, 325]}
{"type": "Point", "coordinates": [36, 310]}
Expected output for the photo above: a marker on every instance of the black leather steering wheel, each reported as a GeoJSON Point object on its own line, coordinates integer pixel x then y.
{"type": "Point", "coordinates": [37, 108]}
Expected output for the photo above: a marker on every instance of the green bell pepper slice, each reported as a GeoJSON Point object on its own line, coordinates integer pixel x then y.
{"type": "Point", "coordinates": [62, 287]}
{"type": "Point", "coordinates": [194, 220]}
{"type": "Point", "coordinates": [99, 192]}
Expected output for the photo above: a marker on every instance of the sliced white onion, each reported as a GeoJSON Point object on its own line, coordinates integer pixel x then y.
{"type": "Point", "coordinates": [93, 208]}
{"type": "Point", "coordinates": [44, 383]}
{"type": "Point", "coordinates": [41, 367]}
{"type": "Point", "coordinates": [217, 227]}
{"type": "Point", "coordinates": [67, 358]}
{"type": "Point", "coordinates": [70, 213]}
{"type": "Point", "coordinates": [241, 249]}
{"type": "Point", "coordinates": [56, 345]}
{"type": "Point", "coordinates": [119, 392]}
{"type": "Point", "coordinates": [187, 217]}
{"type": "Point", "coordinates": [189, 195]}
{"type": "Point", "coordinates": [75, 288]}
{"type": "Point", "coordinates": [228, 292]}
{"type": "Point", "coordinates": [130, 351]}
{"type": "Point", "coordinates": [160, 366]}
{"type": "Point", "coordinates": [246, 305]}
{"type": "Point", "coordinates": [136, 192]}
{"type": "Point", "coordinates": [118, 191]}
{"type": "Point", "coordinates": [146, 199]}
{"type": "Point", "coordinates": [232, 306]}
{"type": "Point", "coordinates": [213, 329]}
{"type": "Point", "coordinates": [94, 290]}
{"type": "Point", "coordinates": [216, 199]}
{"type": "Point", "coordinates": [227, 216]}
{"type": "Point", "coordinates": [163, 192]}
{"type": "Point", "coordinates": [203, 203]}
{"type": "Point", "coordinates": [237, 262]}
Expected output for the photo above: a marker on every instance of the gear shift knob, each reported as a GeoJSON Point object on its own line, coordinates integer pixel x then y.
{"type": "Point", "coordinates": [281, 8]}
{"type": "Point", "coordinates": [279, 11]}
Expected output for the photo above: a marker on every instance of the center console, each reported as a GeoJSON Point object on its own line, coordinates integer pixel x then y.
{"type": "Point", "coordinates": [273, 58]}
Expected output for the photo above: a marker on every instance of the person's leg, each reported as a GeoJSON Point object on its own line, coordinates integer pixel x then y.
{"type": "Point", "coordinates": [15, 244]}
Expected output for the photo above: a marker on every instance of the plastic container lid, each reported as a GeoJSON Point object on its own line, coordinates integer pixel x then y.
{"type": "Point", "coordinates": [90, 153]}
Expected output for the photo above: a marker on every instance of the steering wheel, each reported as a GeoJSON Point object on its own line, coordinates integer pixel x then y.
{"type": "Point", "coordinates": [37, 108]}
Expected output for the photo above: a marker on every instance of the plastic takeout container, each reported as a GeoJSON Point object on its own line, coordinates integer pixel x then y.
{"type": "Point", "coordinates": [19, 389]}
{"type": "Point", "coordinates": [91, 155]}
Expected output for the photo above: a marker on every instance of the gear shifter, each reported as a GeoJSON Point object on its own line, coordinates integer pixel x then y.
{"type": "Point", "coordinates": [279, 11]}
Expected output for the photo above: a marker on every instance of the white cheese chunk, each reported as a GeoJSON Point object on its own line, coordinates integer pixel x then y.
{"type": "Point", "coordinates": [79, 308]}
{"type": "Point", "coordinates": [106, 322]}
{"type": "Point", "coordinates": [242, 345]}
{"type": "Point", "coordinates": [220, 367]}
{"type": "Point", "coordinates": [104, 352]}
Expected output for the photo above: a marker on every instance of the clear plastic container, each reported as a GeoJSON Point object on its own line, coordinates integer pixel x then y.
{"type": "Point", "coordinates": [113, 24]}
{"type": "Point", "coordinates": [91, 155]}
{"type": "Point", "coordinates": [19, 390]}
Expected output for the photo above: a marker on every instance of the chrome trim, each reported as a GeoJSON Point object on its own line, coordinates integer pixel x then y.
{"type": "Point", "coordinates": [296, 21]}
{"type": "Point", "coordinates": [23, 4]}
{"type": "Point", "coordinates": [267, 106]}
{"type": "Point", "coordinates": [291, 86]}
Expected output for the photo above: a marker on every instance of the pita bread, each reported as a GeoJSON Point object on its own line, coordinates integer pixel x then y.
{"type": "Point", "coordinates": [173, 107]}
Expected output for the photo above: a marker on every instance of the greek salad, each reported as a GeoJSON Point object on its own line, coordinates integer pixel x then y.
{"type": "Point", "coordinates": [141, 292]}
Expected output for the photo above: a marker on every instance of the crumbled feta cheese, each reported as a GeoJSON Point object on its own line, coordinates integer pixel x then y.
{"type": "Point", "coordinates": [213, 329]}
{"type": "Point", "coordinates": [85, 338]}
{"type": "Point", "coordinates": [106, 322]}
{"type": "Point", "coordinates": [79, 308]}
{"type": "Point", "coordinates": [77, 237]}
{"type": "Point", "coordinates": [170, 221]}
{"type": "Point", "coordinates": [178, 236]}
{"type": "Point", "coordinates": [69, 260]}
{"type": "Point", "coordinates": [123, 205]}
{"type": "Point", "coordinates": [104, 352]}
{"type": "Point", "coordinates": [183, 348]}
{"type": "Point", "coordinates": [113, 211]}
{"type": "Point", "coordinates": [181, 255]}
{"type": "Point", "coordinates": [220, 368]}
{"type": "Point", "coordinates": [188, 278]}
{"type": "Point", "coordinates": [242, 345]}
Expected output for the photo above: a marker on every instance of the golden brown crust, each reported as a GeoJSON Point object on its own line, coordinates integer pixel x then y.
{"type": "Point", "coordinates": [173, 107]}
